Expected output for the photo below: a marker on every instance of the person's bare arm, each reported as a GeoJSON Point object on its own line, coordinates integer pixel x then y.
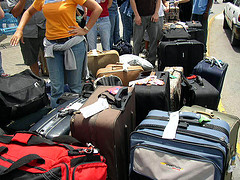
{"type": "Point", "coordinates": [1, 12]}
{"type": "Point", "coordinates": [180, 2]}
{"type": "Point", "coordinates": [137, 18]}
{"type": "Point", "coordinates": [155, 16]}
{"type": "Point", "coordinates": [109, 3]}
{"type": "Point", "coordinates": [206, 13]}
{"type": "Point", "coordinates": [27, 15]}
{"type": "Point", "coordinates": [18, 8]}
{"type": "Point", "coordinates": [96, 10]}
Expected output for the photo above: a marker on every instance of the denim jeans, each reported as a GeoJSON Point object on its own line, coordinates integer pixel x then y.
{"type": "Point", "coordinates": [204, 22]}
{"type": "Point", "coordinates": [1, 69]}
{"type": "Point", "coordinates": [138, 33]}
{"type": "Point", "coordinates": [57, 72]}
{"type": "Point", "coordinates": [127, 22]}
{"type": "Point", "coordinates": [114, 20]}
{"type": "Point", "coordinates": [103, 28]}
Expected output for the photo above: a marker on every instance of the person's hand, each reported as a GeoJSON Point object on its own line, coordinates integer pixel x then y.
{"type": "Point", "coordinates": [77, 31]}
{"type": "Point", "coordinates": [18, 35]}
{"type": "Point", "coordinates": [138, 20]}
{"type": "Point", "coordinates": [155, 17]}
{"type": "Point", "coordinates": [176, 3]}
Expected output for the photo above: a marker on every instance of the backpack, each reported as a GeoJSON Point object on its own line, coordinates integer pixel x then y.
{"type": "Point", "coordinates": [28, 156]}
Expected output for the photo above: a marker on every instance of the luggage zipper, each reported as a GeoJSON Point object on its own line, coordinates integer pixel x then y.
{"type": "Point", "coordinates": [179, 153]}
{"type": "Point", "coordinates": [186, 142]}
{"type": "Point", "coordinates": [187, 132]}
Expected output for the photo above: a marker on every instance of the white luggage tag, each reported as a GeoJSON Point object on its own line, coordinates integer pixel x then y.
{"type": "Point", "coordinates": [95, 108]}
{"type": "Point", "coordinates": [171, 128]}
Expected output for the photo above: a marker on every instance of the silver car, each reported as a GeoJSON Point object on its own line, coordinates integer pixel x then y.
{"type": "Point", "coordinates": [232, 20]}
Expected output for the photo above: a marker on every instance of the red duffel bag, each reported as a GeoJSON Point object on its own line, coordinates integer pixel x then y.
{"type": "Point", "coordinates": [29, 156]}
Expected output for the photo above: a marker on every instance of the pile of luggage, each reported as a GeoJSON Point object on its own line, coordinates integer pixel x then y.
{"type": "Point", "coordinates": [130, 122]}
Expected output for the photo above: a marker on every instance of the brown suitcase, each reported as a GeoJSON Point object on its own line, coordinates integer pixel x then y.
{"type": "Point", "coordinates": [126, 76]}
{"type": "Point", "coordinates": [109, 131]}
{"type": "Point", "coordinates": [101, 59]}
{"type": "Point", "coordinates": [175, 86]}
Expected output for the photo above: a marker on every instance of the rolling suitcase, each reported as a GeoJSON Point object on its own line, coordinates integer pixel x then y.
{"type": "Point", "coordinates": [198, 91]}
{"type": "Point", "coordinates": [234, 123]}
{"type": "Point", "coordinates": [213, 70]}
{"type": "Point", "coordinates": [179, 145]}
{"type": "Point", "coordinates": [57, 121]}
{"type": "Point", "coordinates": [175, 86]}
{"type": "Point", "coordinates": [109, 129]}
{"type": "Point", "coordinates": [98, 59]}
{"type": "Point", "coordinates": [184, 53]}
{"type": "Point", "coordinates": [151, 96]}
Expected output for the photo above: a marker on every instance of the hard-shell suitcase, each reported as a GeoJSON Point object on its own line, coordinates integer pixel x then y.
{"type": "Point", "coordinates": [198, 91]}
{"type": "Point", "coordinates": [100, 59]}
{"type": "Point", "coordinates": [179, 145]}
{"type": "Point", "coordinates": [127, 74]}
{"type": "Point", "coordinates": [109, 131]}
{"type": "Point", "coordinates": [57, 121]}
{"type": "Point", "coordinates": [184, 53]}
{"type": "Point", "coordinates": [213, 70]}
{"type": "Point", "coordinates": [234, 123]}
{"type": "Point", "coordinates": [175, 86]}
{"type": "Point", "coordinates": [150, 97]}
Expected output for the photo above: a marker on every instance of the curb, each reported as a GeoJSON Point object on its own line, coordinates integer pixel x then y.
{"type": "Point", "coordinates": [220, 105]}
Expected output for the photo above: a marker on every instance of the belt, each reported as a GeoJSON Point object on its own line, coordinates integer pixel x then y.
{"type": "Point", "coordinates": [62, 40]}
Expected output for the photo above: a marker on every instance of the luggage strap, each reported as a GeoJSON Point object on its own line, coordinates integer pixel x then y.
{"type": "Point", "coordinates": [193, 122]}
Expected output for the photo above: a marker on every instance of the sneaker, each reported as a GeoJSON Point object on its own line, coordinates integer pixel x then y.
{"type": "Point", "coordinates": [5, 75]}
{"type": "Point", "coordinates": [145, 52]}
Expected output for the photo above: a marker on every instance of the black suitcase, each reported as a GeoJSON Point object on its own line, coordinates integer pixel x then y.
{"type": "Point", "coordinates": [197, 34]}
{"type": "Point", "coordinates": [185, 53]}
{"type": "Point", "coordinates": [57, 122]}
{"type": "Point", "coordinates": [213, 70]}
{"type": "Point", "coordinates": [198, 91]}
{"type": "Point", "coordinates": [150, 97]}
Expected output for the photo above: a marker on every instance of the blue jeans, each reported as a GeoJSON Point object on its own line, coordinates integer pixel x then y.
{"type": "Point", "coordinates": [114, 20]}
{"type": "Point", "coordinates": [1, 69]}
{"type": "Point", "coordinates": [127, 22]}
{"type": "Point", "coordinates": [57, 72]}
{"type": "Point", "coordinates": [103, 28]}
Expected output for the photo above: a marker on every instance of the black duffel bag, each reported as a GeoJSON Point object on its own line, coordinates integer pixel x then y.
{"type": "Point", "coordinates": [20, 95]}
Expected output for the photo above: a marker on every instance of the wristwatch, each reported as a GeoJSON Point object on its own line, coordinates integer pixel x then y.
{"type": "Point", "coordinates": [86, 28]}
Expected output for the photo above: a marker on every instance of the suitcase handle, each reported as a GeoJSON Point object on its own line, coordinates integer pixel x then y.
{"type": "Point", "coordinates": [122, 97]}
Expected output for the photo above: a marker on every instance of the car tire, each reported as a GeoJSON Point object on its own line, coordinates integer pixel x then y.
{"type": "Point", "coordinates": [234, 41]}
{"type": "Point", "coordinates": [225, 24]}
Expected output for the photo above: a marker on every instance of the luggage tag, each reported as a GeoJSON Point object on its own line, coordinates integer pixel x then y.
{"type": "Point", "coordinates": [171, 128]}
{"type": "Point", "coordinates": [95, 108]}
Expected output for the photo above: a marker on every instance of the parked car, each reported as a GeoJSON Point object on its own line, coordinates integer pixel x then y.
{"type": "Point", "coordinates": [231, 14]}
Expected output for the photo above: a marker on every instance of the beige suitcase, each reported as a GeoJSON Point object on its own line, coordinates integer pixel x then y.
{"type": "Point", "coordinates": [101, 59]}
{"type": "Point", "coordinates": [175, 86]}
{"type": "Point", "coordinates": [126, 75]}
